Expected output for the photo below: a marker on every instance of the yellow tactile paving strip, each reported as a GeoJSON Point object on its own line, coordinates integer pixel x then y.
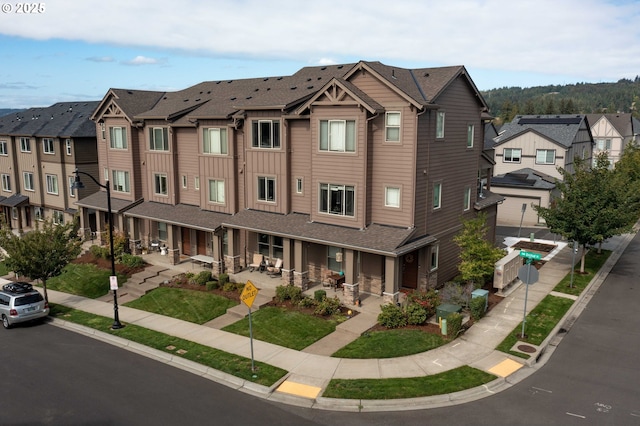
{"type": "Point", "coordinates": [505, 368]}
{"type": "Point", "coordinates": [299, 389]}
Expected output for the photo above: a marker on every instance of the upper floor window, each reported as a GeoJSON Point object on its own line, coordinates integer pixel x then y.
{"type": "Point", "coordinates": [102, 131]}
{"type": "Point", "coordinates": [440, 125]}
{"type": "Point", "coordinates": [437, 195]}
{"type": "Point", "coordinates": [38, 213]}
{"type": "Point", "coordinates": [52, 184]}
{"type": "Point", "coordinates": [266, 189]}
{"type": "Point", "coordinates": [47, 146]}
{"type": "Point", "coordinates": [184, 181]}
{"type": "Point", "coordinates": [338, 135]}
{"type": "Point", "coordinates": [470, 135]}
{"type": "Point", "coordinates": [265, 134]}
{"type": "Point", "coordinates": [72, 191]}
{"type": "Point", "coordinates": [299, 186]}
{"type": "Point", "coordinates": [216, 191]}
{"type": "Point", "coordinates": [511, 155]}
{"type": "Point", "coordinates": [6, 183]}
{"type": "Point", "coordinates": [25, 144]}
{"type": "Point", "coordinates": [545, 156]}
{"type": "Point", "coordinates": [67, 144]}
{"type": "Point", "coordinates": [118, 136]}
{"type": "Point", "coordinates": [337, 199]}
{"type": "Point", "coordinates": [467, 199]}
{"type": "Point", "coordinates": [433, 264]}
{"type": "Point", "coordinates": [196, 183]}
{"type": "Point", "coordinates": [159, 139]}
{"type": "Point", "coordinates": [3, 148]}
{"type": "Point", "coordinates": [120, 181]}
{"type": "Point", "coordinates": [27, 177]}
{"type": "Point", "coordinates": [160, 183]}
{"type": "Point", "coordinates": [215, 141]}
{"type": "Point", "coordinates": [392, 196]}
{"type": "Point", "coordinates": [603, 144]}
{"type": "Point", "coordinates": [392, 127]}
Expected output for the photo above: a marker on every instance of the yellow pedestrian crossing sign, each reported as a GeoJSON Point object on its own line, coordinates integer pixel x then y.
{"type": "Point", "coordinates": [249, 294]}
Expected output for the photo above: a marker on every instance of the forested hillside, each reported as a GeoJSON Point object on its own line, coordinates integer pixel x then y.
{"type": "Point", "coordinates": [580, 98]}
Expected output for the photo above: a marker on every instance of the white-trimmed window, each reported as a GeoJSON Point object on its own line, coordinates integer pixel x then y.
{"type": "Point", "coordinates": [25, 145]}
{"type": "Point", "coordinates": [196, 183]}
{"type": "Point", "coordinates": [440, 124]}
{"type": "Point", "coordinates": [337, 199]}
{"type": "Point", "coordinates": [467, 199]}
{"type": "Point", "coordinates": [265, 134]}
{"type": "Point", "coordinates": [392, 126]}
{"type": "Point", "coordinates": [38, 212]}
{"type": "Point", "coordinates": [47, 146]}
{"type": "Point", "coordinates": [27, 177]}
{"type": "Point", "coordinates": [437, 195]}
{"type": "Point", "coordinates": [216, 191]}
{"type": "Point", "coordinates": [52, 184]}
{"type": "Point", "coordinates": [160, 185]}
{"type": "Point", "coordinates": [433, 264]}
{"type": "Point", "coordinates": [120, 182]}
{"type": "Point", "coordinates": [338, 135]}
{"type": "Point", "coordinates": [184, 181]}
{"type": "Point", "coordinates": [470, 135]}
{"type": "Point", "coordinates": [545, 156]}
{"type": "Point", "coordinates": [67, 144]}
{"type": "Point", "coordinates": [511, 155]}
{"type": "Point", "coordinates": [72, 190]}
{"type": "Point", "coordinates": [271, 246]}
{"type": "Point", "coordinates": [105, 173]}
{"type": "Point", "coordinates": [3, 148]}
{"type": "Point", "coordinates": [603, 144]}
{"type": "Point", "coordinates": [159, 139]}
{"type": "Point", "coordinates": [58, 217]}
{"type": "Point", "coordinates": [215, 141]}
{"type": "Point", "coordinates": [299, 186]}
{"type": "Point", "coordinates": [392, 196]}
{"type": "Point", "coordinates": [266, 189]}
{"type": "Point", "coordinates": [103, 131]}
{"type": "Point", "coordinates": [6, 183]}
{"type": "Point", "coordinates": [14, 213]}
{"type": "Point", "coordinates": [118, 137]}
{"type": "Point", "coordinates": [162, 231]}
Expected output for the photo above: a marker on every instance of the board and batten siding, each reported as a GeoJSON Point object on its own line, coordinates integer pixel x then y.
{"type": "Point", "coordinates": [301, 166]}
{"type": "Point", "coordinates": [529, 143]}
{"type": "Point", "coordinates": [188, 148]}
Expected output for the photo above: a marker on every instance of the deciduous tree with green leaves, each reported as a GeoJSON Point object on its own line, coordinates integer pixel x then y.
{"type": "Point", "coordinates": [43, 252]}
{"type": "Point", "coordinates": [477, 255]}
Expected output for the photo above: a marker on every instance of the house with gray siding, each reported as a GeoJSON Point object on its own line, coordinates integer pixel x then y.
{"type": "Point", "coordinates": [365, 170]}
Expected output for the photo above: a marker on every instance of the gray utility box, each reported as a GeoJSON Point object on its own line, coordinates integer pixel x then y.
{"type": "Point", "coordinates": [443, 311]}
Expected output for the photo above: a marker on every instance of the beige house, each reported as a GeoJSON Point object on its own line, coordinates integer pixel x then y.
{"type": "Point", "coordinates": [612, 133]}
{"type": "Point", "coordinates": [362, 170]}
{"type": "Point", "coordinates": [39, 150]}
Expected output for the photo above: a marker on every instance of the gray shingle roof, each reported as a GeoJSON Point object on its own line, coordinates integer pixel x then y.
{"type": "Point", "coordinates": [180, 214]}
{"type": "Point", "coordinates": [98, 201]}
{"type": "Point", "coordinates": [559, 128]}
{"type": "Point", "coordinates": [64, 119]}
{"type": "Point", "coordinates": [623, 123]}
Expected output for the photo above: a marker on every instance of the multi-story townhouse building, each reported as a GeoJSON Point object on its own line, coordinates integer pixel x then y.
{"type": "Point", "coordinates": [39, 151]}
{"type": "Point", "coordinates": [363, 169]}
{"type": "Point", "coordinates": [612, 133]}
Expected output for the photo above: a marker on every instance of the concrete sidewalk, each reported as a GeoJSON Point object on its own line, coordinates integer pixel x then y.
{"type": "Point", "coordinates": [311, 369]}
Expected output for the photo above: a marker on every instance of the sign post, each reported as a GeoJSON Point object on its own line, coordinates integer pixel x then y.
{"type": "Point", "coordinates": [529, 257]}
{"type": "Point", "coordinates": [247, 297]}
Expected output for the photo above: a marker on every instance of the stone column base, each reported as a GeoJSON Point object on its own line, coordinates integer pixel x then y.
{"type": "Point", "coordinates": [351, 293]}
{"type": "Point", "coordinates": [301, 279]}
{"type": "Point", "coordinates": [136, 247]}
{"type": "Point", "coordinates": [217, 267]}
{"type": "Point", "coordinates": [391, 297]}
{"type": "Point", "coordinates": [232, 264]}
{"type": "Point", "coordinates": [288, 277]}
{"type": "Point", "coordinates": [174, 256]}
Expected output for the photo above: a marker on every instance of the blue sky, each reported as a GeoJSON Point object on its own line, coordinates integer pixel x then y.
{"type": "Point", "coordinates": [77, 50]}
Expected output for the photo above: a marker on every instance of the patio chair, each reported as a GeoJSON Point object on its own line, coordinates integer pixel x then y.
{"type": "Point", "coordinates": [275, 269]}
{"type": "Point", "coordinates": [258, 262]}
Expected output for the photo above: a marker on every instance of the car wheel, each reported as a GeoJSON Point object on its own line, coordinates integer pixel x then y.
{"type": "Point", "coordinates": [5, 322]}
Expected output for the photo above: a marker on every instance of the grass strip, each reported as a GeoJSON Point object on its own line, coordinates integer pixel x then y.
{"type": "Point", "coordinates": [235, 365]}
{"type": "Point", "coordinates": [188, 305]}
{"type": "Point", "coordinates": [455, 380]}
{"type": "Point", "coordinates": [390, 344]}
{"type": "Point", "coordinates": [592, 264]}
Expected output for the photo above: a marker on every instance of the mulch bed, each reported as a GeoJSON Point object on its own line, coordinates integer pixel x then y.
{"type": "Point", "coordinates": [106, 264]}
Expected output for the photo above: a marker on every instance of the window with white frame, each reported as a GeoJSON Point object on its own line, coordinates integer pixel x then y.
{"type": "Point", "coordinates": [25, 144]}
{"type": "Point", "coordinates": [120, 181]}
{"type": "Point", "coordinates": [299, 186]}
{"type": "Point", "coordinates": [118, 137]}
{"type": "Point", "coordinates": [270, 246]}
{"type": "Point", "coordinates": [337, 199]}
{"type": "Point", "coordinates": [58, 217]}
{"type": "Point", "coordinates": [159, 139]}
{"type": "Point", "coordinates": [467, 199]}
{"type": "Point", "coordinates": [196, 183]}
{"type": "Point", "coordinates": [3, 148]}
{"type": "Point", "coordinates": [105, 173]}
{"type": "Point", "coordinates": [27, 177]}
{"type": "Point", "coordinates": [437, 195]}
{"type": "Point", "coordinates": [266, 189]}
{"type": "Point", "coordinates": [67, 144]}
{"type": "Point", "coordinates": [433, 264]}
{"type": "Point", "coordinates": [6, 183]}
{"type": "Point", "coordinates": [52, 184]}
{"type": "Point", "coordinates": [265, 134]}
{"type": "Point", "coordinates": [216, 191]}
{"type": "Point", "coordinates": [603, 144]}
{"type": "Point", "coordinates": [338, 135]}
{"type": "Point", "coordinates": [160, 183]}
{"type": "Point", "coordinates": [545, 156]}
{"type": "Point", "coordinates": [215, 141]}
{"type": "Point", "coordinates": [440, 125]}
{"type": "Point", "coordinates": [184, 181]}
{"type": "Point", "coordinates": [162, 231]}
{"type": "Point", "coordinates": [47, 146]}
{"type": "Point", "coordinates": [392, 126]}
{"type": "Point", "coordinates": [511, 155]}
{"type": "Point", "coordinates": [38, 212]}
{"type": "Point", "coordinates": [103, 131]}
{"type": "Point", "coordinates": [14, 213]}
{"type": "Point", "coordinates": [392, 196]}
{"type": "Point", "coordinates": [470, 135]}
{"type": "Point", "coordinates": [72, 190]}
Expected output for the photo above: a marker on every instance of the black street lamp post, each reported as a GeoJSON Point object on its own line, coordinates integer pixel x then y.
{"type": "Point", "coordinates": [77, 184]}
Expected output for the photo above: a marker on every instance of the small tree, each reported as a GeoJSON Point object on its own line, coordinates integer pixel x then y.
{"type": "Point", "coordinates": [477, 255]}
{"type": "Point", "coordinates": [42, 253]}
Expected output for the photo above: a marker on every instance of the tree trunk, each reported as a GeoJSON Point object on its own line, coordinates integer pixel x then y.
{"type": "Point", "coordinates": [582, 259]}
{"type": "Point", "coordinates": [44, 288]}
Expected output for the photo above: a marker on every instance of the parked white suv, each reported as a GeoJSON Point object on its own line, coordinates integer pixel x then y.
{"type": "Point", "coordinates": [19, 302]}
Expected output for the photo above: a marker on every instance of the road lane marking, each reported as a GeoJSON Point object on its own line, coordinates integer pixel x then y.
{"type": "Point", "coordinates": [576, 415]}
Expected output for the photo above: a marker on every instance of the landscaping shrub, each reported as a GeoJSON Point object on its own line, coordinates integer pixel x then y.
{"type": "Point", "coordinates": [328, 306]}
{"type": "Point", "coordinates": [477, 307]}
{"type": "Point", "coordinates": [131, 260]}
{"type": "Point", "coordinates": [429, 300]}
{"type": "Point", "coordinates": [307, 302]}
{"type": "Point", "coordinates": [416, 314]}
{"type": "Point", "coordinates": [392, 316]}
{"type": "Point", "coordinates": [229, 287]}
{"type": "Point", "coordinates": [212, 285]}
{"type": "Point", "coordinates": [223, 279]}
{"type": "Point", "coordinates": [319, 295]}
{"type": "Point", "coordinates": [288, 292]}
{"type": "Point", "coordinates": [202, 278]}
{"type": "Point", "coordinates": [454, 324]}
{"type": "Point", "coordinates": [457, 294]}
{"type": "Point", "coordinates": [99, 252]}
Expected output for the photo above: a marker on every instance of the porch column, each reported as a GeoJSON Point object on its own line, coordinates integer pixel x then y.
{"type": "Point", "coordinates": [135, 243]}
{"type": "Point", "coordinates": [300, 272]}
{"type": "Point", "coordinates": [85, 229]}
{"type": "Point", "coordinates": [349, 267]}
{"type": "Point", "coordinates": [216, 252]}
{"type": "Point", "coordinates": [173, 252]}
{"type": "Point", "coordinates": [391, 292]}
{"type": "Point", "coordinates": [232, 258]}
{"type": "Point", "coordinates": [287, 261]}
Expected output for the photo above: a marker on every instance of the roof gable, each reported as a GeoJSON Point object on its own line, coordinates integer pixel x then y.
{"type": "Point", "coordinates": [126, 103]}
{"type": "Point", "coordinates": [341, 92]}
{"type": "Point", "coordinates": [560, 129]}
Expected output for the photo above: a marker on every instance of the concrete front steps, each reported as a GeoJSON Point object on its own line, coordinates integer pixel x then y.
{"type": "Point", "coordinates": [141, 283]}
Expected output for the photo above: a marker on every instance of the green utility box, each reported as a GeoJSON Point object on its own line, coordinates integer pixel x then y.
{"type": "Point", "coordinates": [443, 311]}
{"type": "Point", "coordinates": [481, 293]}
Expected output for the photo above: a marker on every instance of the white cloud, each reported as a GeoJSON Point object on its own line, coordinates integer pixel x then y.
{"type": "Point", "coordinates": [143, 60]}
{"type": "Point", "coordinates": [101, 59]}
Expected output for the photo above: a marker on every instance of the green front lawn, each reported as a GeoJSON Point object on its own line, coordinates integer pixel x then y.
{"type": "Point", "coordinates": [390, 344]}
{"type": "Point", "coordinates": [188, 305]}
{"type": "Point", "coordinates": [283, 327]}
{"type": "Point", "coordinates": [83, 279]}
{"type": "Point", "coordinates": [592, 264]}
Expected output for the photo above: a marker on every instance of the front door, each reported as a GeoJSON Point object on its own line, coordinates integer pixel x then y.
{"type": "Point", "coordinates": [202, 242]}
{"type": "Point", "coordinates": [186, 241]}
{"type": "Point", "coordinates": [410, 270]}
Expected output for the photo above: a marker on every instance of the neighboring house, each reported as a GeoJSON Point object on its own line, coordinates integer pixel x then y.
{"type": "Point", "coordinates": [540, 144]}
{"type": "Point", "coordinates": [364, 169]}
{"type": "Point", "coordinates": [612, 133]}
{"type": "Point", "coordinates": [39, 150]}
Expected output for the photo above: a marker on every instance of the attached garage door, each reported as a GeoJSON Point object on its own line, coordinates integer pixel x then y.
{"type": "Point", "coordinates": [510, 211]}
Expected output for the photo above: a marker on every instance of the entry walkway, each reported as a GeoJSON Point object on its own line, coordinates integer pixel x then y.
{"type": "Point", "coordinates": [311, 369]}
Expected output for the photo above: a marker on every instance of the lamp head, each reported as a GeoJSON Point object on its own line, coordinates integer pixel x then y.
{"type": "Point", "coordinates": [77, 183]}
